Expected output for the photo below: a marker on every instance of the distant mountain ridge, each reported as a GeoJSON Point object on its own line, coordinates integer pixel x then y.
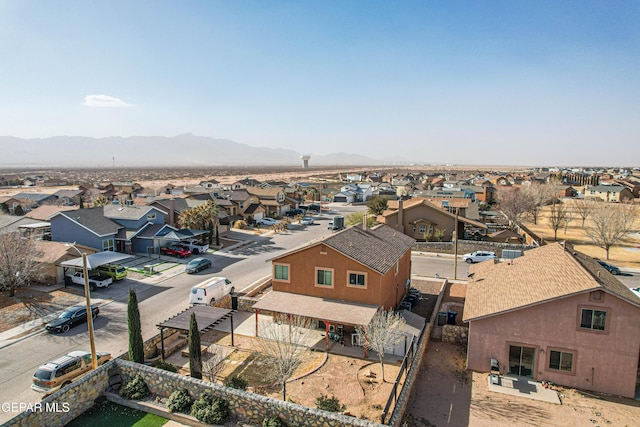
{"type": "Point", "coordinates": [181, 150]}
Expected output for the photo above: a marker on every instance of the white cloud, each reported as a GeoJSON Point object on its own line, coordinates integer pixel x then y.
{"type": "Point", "coordinates": [104, 101]}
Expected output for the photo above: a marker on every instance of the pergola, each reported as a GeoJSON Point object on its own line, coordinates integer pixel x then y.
{"type": "Point", "coordinates": [329, 311]}
{"type": "Point", "coordinates": [207, 318]}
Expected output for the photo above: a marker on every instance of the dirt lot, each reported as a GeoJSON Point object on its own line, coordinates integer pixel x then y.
{"type": "Point", "coordinates": [448, 395]}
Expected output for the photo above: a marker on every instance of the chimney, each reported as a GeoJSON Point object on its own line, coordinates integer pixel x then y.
{"type": "Point", "coordinates": [172, 209]}
{"type": "Point", "coordinates": [400, 216]}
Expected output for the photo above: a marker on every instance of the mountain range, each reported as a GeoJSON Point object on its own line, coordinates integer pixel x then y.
{"type": "Point", "coordinates": [182, 150]}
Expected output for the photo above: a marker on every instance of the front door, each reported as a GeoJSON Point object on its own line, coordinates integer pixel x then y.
{"type": "Point", "coordinates": [521, 360]}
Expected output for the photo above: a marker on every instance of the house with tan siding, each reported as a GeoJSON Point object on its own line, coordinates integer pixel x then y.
{"type": "Point", "coordinates": [554, 314]}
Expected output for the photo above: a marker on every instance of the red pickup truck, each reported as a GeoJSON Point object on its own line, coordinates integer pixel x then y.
{"type": "Point", "coordinates": [175, 250]}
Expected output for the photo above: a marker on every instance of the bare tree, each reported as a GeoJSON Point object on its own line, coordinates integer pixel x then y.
{"type": "Point", "coordinates": [514, 204]}
{"type": "Point", "coordinates": [557, 217]}
{"type": "Point", "coordinates": [382, 333]}
{"type": "Point", "coordinates": [540, 195]}
{"type": "Point", "coordinates": [212, 363]}
{"type": "Point", "coordinates": [610, 223]}
{"type": "Point", "coordinates": [570, 216]}
{"type": "Point", "coordinates": [19, 264]}
{"type": "Point", "coordinates": [583, 208]}
{"type": "Point", "coordinates": [285, 344]}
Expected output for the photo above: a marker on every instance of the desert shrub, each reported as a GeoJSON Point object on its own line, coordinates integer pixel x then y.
{"type": "Point", "coordinates": [135, 389]}
{"type": "Point", "coordinates": [236, 381]}
{"type": "Point", "coordinates": [272, 421]}
{"type": "Point", "coordinates": [166, 366]}
{"type": "Point", "coordinates": [210, 410]}
{"type": "Point", "coordinates": [331, 404]}
{"type": "Point", "coordinates": [240, 224]}
{"type": "Point", "coordinates": [180, 401]}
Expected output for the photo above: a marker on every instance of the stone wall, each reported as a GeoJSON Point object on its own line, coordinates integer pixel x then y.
{"type": "Point", "coordinates": [466, 246]}
{"type": "Point", "coordinates": [248, 407]}
{"type": "Point", "coordinates": [455, 334]}
{"type": "Point", "coordinates": [66, 404]}
{"type": "Point", "coordinates": [423, 344]}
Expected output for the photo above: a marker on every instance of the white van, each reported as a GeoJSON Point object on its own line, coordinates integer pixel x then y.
{"type": "Point", "coordinates": [210, 290]}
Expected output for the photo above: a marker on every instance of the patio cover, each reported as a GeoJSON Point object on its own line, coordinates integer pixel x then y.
{"type": "Point", "coordinates": [206, 316]}
{"type": "Point", "coordinates": [96, 260]}
{"type": "Point", "coordinates": [330, 310]}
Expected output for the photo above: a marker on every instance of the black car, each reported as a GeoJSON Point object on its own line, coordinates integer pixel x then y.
{"type": "Point", "coordinates": [610, 268]}
{"type": "Point", "coordinates": [71, 317]}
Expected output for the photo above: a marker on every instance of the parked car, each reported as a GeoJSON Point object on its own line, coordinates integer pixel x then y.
{"type": "Point", "coordinates": [175, 250]}
{"type": "Point", "coordinates": [116, 272]}
{"type": "Point", "coordinates": [71, 317]}
{"type": "Point", "coordinates": [62, 371]}
{"type": "Point", "coordinates": [197, 264]}
{"type": "Point", "coordinates": [267, 221]}
{"type": "Point", "coordinates": [195, 246]}
{"type": "Point", "coordinates": [294, 212]}
{"type": "Point", "coordinates": [478, 256]}
{"type": "Point", "coordinates": [307, 220]}
{"type": "Point", "coordinates": [609, 267]}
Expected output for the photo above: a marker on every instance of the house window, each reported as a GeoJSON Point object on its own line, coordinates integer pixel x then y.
{"type": "Point", "coordinates": [152, 215]}
{"type": "Point", "coordinates": [241, 205]}
{"type": "Point", "coordinates": [422, 229]}
{"type": "Point", "coordinates": [107, 245]}
{"type": "Point", "coordinates": [561, 361]}
{"type": "Point", "coordinates": [593, 319]}
{"type": "Point", "coordinates": [280, 197]}
{"type": "Point", "coordinates": [281, 272]}
{"type": "Point", "coordinates": [324, 277]}
{"type": "Point", "coordinates": [357, 279]}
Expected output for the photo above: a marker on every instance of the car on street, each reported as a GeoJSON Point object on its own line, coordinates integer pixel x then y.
{"type": "Point", "coordinates": [609, 267]}
{"type": "Point", "coordinates": [267, 221]}
{"type": "Point", "coordinates": [294, 212]}
{"type": "Point", "coordinates": [60, 372]}
{"type": "Point", "coordinates": [478, 256]}
{"type": "Point", "coordinates": [196, 265]}
{"type": "Point", "coordinates": [307, 220]}
{"type": "Point", "coordinates": [71, 317]}
{"type": "Point", "coordinates": [175, 250]}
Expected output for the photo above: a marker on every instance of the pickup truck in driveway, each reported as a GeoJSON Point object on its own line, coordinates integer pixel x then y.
{"type": "Point", "coordinates": [95, 280]}
{"type": "Point", "coordinates": [195, 247]}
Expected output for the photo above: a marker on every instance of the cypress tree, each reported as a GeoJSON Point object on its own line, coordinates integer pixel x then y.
{"type": "Point", "coordinates": [195, 357]}
{"type": "Point", "coordinates": [136, 348]}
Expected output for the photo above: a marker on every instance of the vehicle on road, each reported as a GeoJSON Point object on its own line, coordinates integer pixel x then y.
{"type": "Point", "coordinates": [609, 267]}
{"type": "Point", "coordinates": [116, 272]}
{"type": "Point", "coordinates": [197, 264]}
{"type": "Point", "coordinates": [307, 220]}
{"type": "Point", "coordinates": [478, 256]}
{"type": "Point", "coordinates": [71, 317]}
{"type": "Point", "coordinates": [60, 372]}
{"type": "Point", "coordinates": [175, 250]}
{"type": "Point", "coordinates": [267, 221]}
{"type": "Point", "coordinates": [294, 212]}
{"type": "Point", "coordinates": [194, 246]}
{"type": "Point", "coordinates": [210, 290]}
{"type": "Point", "coordinates": [95, 280]}
{"type": "Point", "coordinates": [336, 224]}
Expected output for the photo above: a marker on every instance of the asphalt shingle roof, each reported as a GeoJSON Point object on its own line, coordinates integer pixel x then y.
{"type": "Point", "coordinates": [543, 274]}
{"type": "Point", "coordinates": [378, 248]}
{"type": "Point", "coordinates": [93, 219]}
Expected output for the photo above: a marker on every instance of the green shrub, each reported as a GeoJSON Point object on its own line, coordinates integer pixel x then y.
{"type": "Point", "coordinates": [236, 381]}
{"type": "Point", "coordinates": [331, 404]}
{"type": "Point", "coordinates": [166, 366]}
{"type": "Point", "coordinates": [180, 401]}
{"type": "Point", "coordinates": [210, 410]}
{"type": "Point", "coordinates": [135, 389]}
{"type": "Point", "coordinates": [272, 421]}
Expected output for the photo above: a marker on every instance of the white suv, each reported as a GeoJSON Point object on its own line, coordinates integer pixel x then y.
{"type": "Point", "coordinates": [478, 256]}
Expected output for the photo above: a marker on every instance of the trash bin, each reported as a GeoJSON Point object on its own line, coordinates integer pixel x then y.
{"type": "Point", "coordinates": [451, 320]}
{"type": "Point", "coordinates": [442, 318]}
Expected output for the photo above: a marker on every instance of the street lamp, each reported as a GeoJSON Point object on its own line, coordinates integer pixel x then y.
{"type": "Point", "coordinates": [87, 297]}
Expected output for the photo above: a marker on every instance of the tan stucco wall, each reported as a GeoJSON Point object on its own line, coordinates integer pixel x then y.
{"type": "Point", "coordinates": [430, 215]}
{"type": "Point", "coordinates": [380, 290]}
{"type": "Point", "coordinates": [605, 362]}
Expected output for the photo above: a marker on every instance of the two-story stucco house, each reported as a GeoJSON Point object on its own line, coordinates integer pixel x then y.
{"type": "Point", "coordinates": [554, 314]}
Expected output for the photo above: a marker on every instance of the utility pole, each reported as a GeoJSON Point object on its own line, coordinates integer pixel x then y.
{"type": "Point", "coordinates": [455, 248]}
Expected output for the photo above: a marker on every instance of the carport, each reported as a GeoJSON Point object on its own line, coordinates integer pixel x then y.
{"type": "Point", "coordinates": [177, 236]}
{"type": "Point", "coordinates": [94, 261]}
{"type": "Point", "coordinates": [207, 318]}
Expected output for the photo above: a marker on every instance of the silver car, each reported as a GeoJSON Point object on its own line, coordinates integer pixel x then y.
{"type": "Point", "coordinates": [478, 256]}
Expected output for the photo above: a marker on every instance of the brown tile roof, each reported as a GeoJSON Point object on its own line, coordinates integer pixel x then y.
{"type": "Point", "coordinates": [543, 274]}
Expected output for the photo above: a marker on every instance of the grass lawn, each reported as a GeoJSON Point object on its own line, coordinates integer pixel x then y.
{"type": "Point", "coordinates": [108, 414]}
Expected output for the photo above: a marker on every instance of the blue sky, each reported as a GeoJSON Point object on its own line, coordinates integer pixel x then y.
{"type": "Point", "coordinates": [478, 82]}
